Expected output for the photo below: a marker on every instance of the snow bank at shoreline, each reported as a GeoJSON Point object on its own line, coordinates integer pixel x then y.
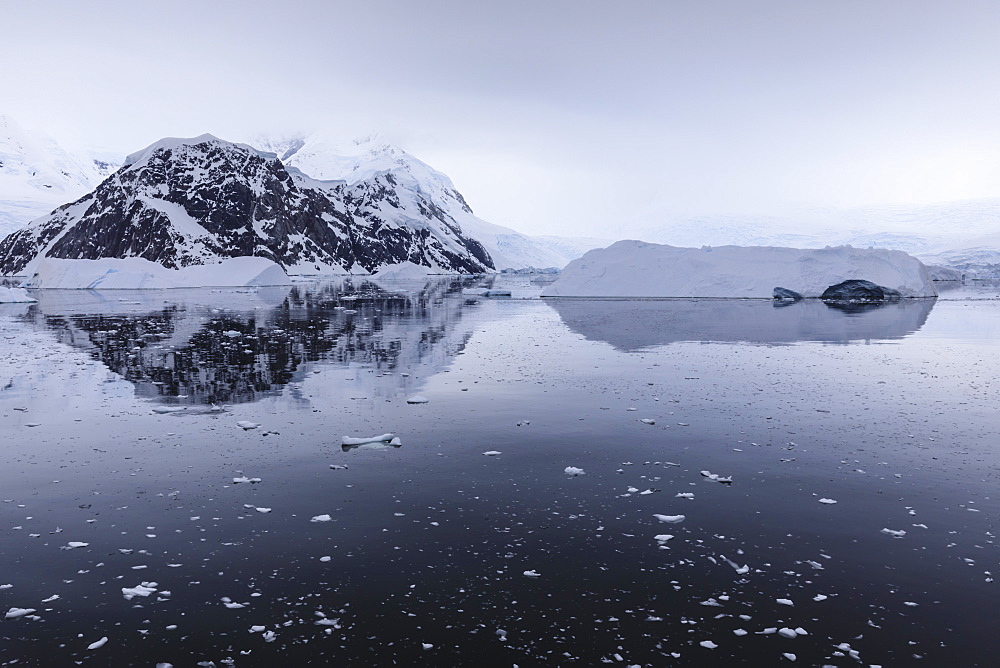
{"type": "Point", "coordinates": [138, 274]}
{"type": "Point", "coordinates": [640, 269]}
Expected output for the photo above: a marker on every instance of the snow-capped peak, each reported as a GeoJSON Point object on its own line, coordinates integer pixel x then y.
{"type": "Point", "coordinates": [170, 143]}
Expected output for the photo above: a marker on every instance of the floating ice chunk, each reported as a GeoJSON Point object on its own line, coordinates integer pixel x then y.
{"type": "Point", "coordinates": [246, 425]}
{"type": "Point", "coordinates": [244, 479]}
{"type": "Point", "coordinates": [663, 537]}
{"type": "Point", "coordinates": [771, 630]}
{"type": "Point", "coordinates": [708, 644]}
{"type": "Point", "coordinates": [502, 635]}
{"type": "Point", "coordinates": [827, 501]}
{"type": "Point", "coordinates": [257, 629]}
{"type": "Point", "coordinates": [785, 601]}
{"type": "Point", "coordinates": [533, 574]}
{"type": "Point", "coordinates": [169, 409]}
{"type": "Point", "coordinates": [325, 558]}
{"type": "Point", "coordinates": [337, 467]}
{"type": "Point", "coordinates": [685, 495]}
{"type": "Point", "coordinates": [632, 490]}
{"type": "Point", "coordinates": [417, 399]}
{"type": "Point", "coordinates": [491, 453]}
{"type": "Point", "coordinates": [631, 409]}
{"type": "Point", "coordinates": [820, 597]}
{"type": "Point", "coordinates": [909, 603]}
{"type": "Point", "coordinates": [741, 570]}
{"type": "Point", "coordinates": [270, 636]}
{"type": "Point", "coordinates": [647, 492]}
{"type": "Point", "coordinates": [740, 632]}
{"type": "Point", "coordinates": [98, 644]}
{"type": "Point", "coordinates": [426, 645]}
{"type": "Point", "coordinates": [350, 440]}
{"type": "Point", "coordinates": [717, 478]}
{"type": "Point", "coordinates": [894, 533]}
{"type": "Point", "coordinates": [786, 632]}
{"type": "Point", "coordinates": [6, 586]}
{"type": "Point", "coordinates": [647, 421]}
{"type": "Point", "coordinates": [321, 518]}
{"type": "Point", "coordinates": [573, 471]}
{"type": "Point", "coordinates": [74, 544]}
{"type": "Point", "coordinates": [55, 597]}
{"type": "Point", "coordinates": [789, 656]}
{"type": "Point", "coordinates": [14, 613]}
{"type": "Point", "coordinates": [711, 603]}
{"type": "Point", "coordinates": [669, 519]}
{"type": "Point", "coordinates": [144, 589]}
{"type": "Point", "coordinates": [263, 510]}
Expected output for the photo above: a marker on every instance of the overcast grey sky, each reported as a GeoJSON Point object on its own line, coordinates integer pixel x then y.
{"type": "Point", "coordinates": [550, 116]}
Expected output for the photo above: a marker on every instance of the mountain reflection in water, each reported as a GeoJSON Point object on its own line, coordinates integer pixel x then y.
{"type": "Point", "coordinates": [636, 324]}
{"type": "Point", "coordinates": [225, 347]}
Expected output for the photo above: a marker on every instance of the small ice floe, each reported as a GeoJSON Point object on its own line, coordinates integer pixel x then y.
{"type": "Point", "coordinates": [663, 538]}
{"type": "Point", "coordinates": [501, 635]}
{"type": "Point", "coordinates": [263, 510]}
{"type": "Point", "coordinates": [647, 421]}
{"type": "Point", "coordinates": [789, 656]}
{"type": "Point", "coordinates": [144, 589]}
{"type": "Point", "coordinates": [55, 597]}
{"type": "Point", "coordinates": [631, 409]}
{"type": "Point", "coordinates": [669, 519]}
{"type": "Point", "coordinates": [257, 629]}
{"type": "Point", "coordinates": [573, 471]}
{"type": "Point", "coordinates": [246, 425]}
{"type": "Point", "coordinates": [231, 604]}
{"type": "Point", "coordinates": [73, 544]}
{"type": "Point", "coordinates": [337, 467]}
{"type": "Point", "coordinates": [363, 440]}
{"type": "Point", "coordinates": [711, 603]}
{"type": "Point", "coordinates": [426, 645]}
{"type": "Point", "coordinates": [168, 409]}
{"type": "Point", "coordinates": [785, 601]}
{"type": "Point", "coordinates": [894, 533]}
{"type": "Point", "coordinates": [269, 636]}
{"type": "Point", "coordinates": [717, 478]}
{"type": "Point", "coordinates": [244, 479]}
{"type": "Point", "coordinates": [820, 597]}
{"type": "Point", "coordinates": [6, 586]}
{"type": "Point", "coordinates": [740, 632]}
{"type": "Point", "coordinates": [685, 495]}
{"type": "Point", "coordinates": [417, 399]}
{"type": "Point", "coordinates": [909, 603]}
{"type": "Point", "coordinates": [98, 644]}
{"type": "Point", "coordinates": [14, 613]}
{"type": "Point", "coordinates": [491, 453]}
{"type": "Point", "coordinates": [533, 574]}
{"type": "Point", "coordinates": [321, 518]}
{"type": "Point", "coordinates": [741, 570]}
{"type": "Point", "coordinates": [792, 633]}
{"type": "Point", "coordinates": [708, 644]}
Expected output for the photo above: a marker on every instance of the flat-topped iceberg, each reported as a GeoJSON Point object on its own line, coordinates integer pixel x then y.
{"type": "Point", "coordinates": [640, 269]}
{"type": "Point", "coordinates": [135, 273]}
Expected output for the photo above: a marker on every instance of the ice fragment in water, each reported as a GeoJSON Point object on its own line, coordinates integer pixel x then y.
{"type": "Point", "coordinates": [168, 409]}
{"type": "Point", "coordinates": [99, 644]}
{"type": "Point", "coordinates": [787, 633]}
{"type": "Point", "coordinates": [321, 518]}
{"type": "Point", "coordinates": [708, 644]}
{"type": "Point", "coordinates": [384, 438]}
{"type": "Point", "coordinates": [244, 479]}
{"type": "Point", "coordinates": [669, 519]}
{"type": "Point", "coordinates": [894, 533]}
{"type": "Point", "coordinates": [144, 589]}
{"type": "Point", "coordinates": [785, 601]}
{"type": "Point", "coordinates": [491, 453]}
{"type": "Point", "coordinates": [247, 425]}
{"type": "Point", "coordinates": [532, 574]}
{"type": "Point", "coordinates": [647, 421]}
{"type": "Point", "coordinates": [685, 495]}
{"type": "Point", "coordinates": [789, 656]}
{"type": "Point", "coordinates": [14, 613]}
{"type": "Point", "coordinates": [417, 399]}
{"type": "Point", "coordinates": [717, 478]}
{"type": "Point", "coordinates": [663, 537]}
{"type": "Point", "coordinates": [572, 470]}
{"type": "Point", "coordinates": [827, 501]}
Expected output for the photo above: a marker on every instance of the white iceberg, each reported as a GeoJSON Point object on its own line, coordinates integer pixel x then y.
{"type": "Point", "coordinates": [15, 296]}
{"type": "Point", "coordinates": [135, 273]}
{"type": "Point", "coordinates": [640, 269]}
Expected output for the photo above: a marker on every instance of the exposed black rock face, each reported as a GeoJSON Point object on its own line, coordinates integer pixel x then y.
{"type": "Point", "coordinates": [860, 292]}
{"type": "Point", "coordinates": [203, 200]}
{"type": "Point", "coordinates": [786, 295]}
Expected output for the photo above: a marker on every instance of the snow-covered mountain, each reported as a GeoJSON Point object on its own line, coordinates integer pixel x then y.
{"type": "Point", "coordinates": [962, 234]}
{"type": "Point", "coordinates": [351, 162]}
{"type": "Point", "coordinates": [181, 202]}
{"type": "Point", "coordinates": [37, 175]}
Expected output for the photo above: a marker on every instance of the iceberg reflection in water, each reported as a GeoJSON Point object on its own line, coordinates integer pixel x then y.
{"type": "Point", "coordinates": [636, 324]}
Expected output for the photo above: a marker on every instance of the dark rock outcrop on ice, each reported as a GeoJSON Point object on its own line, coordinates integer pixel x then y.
{"type": "Point", "coordinates": [860, 292]}
{"type": "Point", "coordinates": [786, 295]}
{"type": "Point", "coordinates": [183, 202]}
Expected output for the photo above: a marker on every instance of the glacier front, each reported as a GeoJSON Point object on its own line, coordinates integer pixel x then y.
{"type": "Point", "coordinates": [641, 269]}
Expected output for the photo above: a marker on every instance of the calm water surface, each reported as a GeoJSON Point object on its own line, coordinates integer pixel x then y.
{"type": "Point", "coordinates": [127, 417]}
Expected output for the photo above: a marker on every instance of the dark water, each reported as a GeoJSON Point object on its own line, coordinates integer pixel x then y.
{"type": "Point", "coordinates": [890, 412]}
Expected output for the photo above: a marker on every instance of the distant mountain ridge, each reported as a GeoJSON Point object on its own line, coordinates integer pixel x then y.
{"type": "Point", "coordinates": [193, 201]}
